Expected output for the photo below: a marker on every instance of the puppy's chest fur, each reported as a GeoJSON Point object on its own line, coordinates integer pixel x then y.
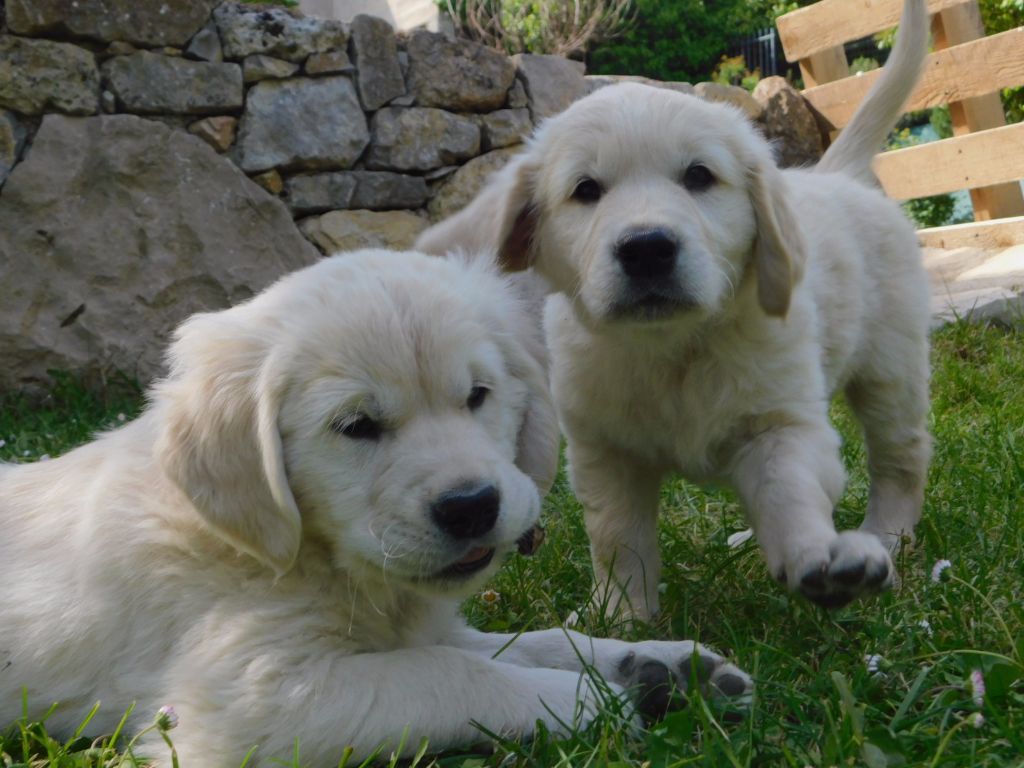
{"type": "Point", "coordinates": [684, 405]}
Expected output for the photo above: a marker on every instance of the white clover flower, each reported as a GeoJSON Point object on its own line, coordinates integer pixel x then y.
{"type": "Point", "coordinates": [977, 686]}
{"type": "Point", "coordinates": [121, 417]}
{"type": "Point", "coordinates": [662, 588]}
{"type": "Point", "coordinates": [977, 719]}
{"type": "Point", "coordinates": [938, 568]}
{"type": "Point", "coordinates": [2, 442]}
{"type": "Point", "coordinates": [926, 626]}
{"type": "Point", "coordinates": [873, 661]}
{"type": "Point", "coordinates": [45, 457]}
{"type": "Point", "coordinates": [166, 718]}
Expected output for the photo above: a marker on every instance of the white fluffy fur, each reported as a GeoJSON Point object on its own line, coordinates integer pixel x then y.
{"type": "Point", "coordinates": [789, 286]}
{"type": "Point", "coordinates": [230, 554]}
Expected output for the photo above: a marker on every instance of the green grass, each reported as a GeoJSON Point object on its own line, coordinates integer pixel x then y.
{"type": "Point", "coordinates": [817, 703]}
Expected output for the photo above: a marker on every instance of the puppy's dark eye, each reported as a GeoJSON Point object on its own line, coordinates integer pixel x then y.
{"type": "Point", "coordinates": [587, 191]}
{"type": "Point", "coordinates": [476, 398]}
{"type": "Point", "coordinates": [697, 178]}
{"type": "Point", "coordinates": [361, 428]}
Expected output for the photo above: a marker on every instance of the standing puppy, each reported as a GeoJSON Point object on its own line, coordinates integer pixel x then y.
{"type": "Point", "coordinates": [708, 307]}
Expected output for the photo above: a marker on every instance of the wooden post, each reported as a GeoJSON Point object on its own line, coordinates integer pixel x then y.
{"type": "Point", "coordinates": [953, 26]}
{"type": "Point", "coordinates": [824, 67]}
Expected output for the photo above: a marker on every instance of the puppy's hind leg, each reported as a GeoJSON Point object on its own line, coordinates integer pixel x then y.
{"type": "Point", "coordinates": [620, 507]}
{"type": "Point", "coordinates": [893, 414]}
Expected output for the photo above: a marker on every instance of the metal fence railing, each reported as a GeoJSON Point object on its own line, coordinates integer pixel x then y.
{"type": "Point", "coordinates": [762, 50]}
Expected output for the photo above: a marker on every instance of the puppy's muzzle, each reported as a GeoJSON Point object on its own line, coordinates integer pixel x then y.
{"type": "Point", "coordinates": [647, 255]}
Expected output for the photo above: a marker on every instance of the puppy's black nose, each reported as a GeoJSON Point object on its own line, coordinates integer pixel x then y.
{"type": "Point", "coordinates": [647, 254]}
{"type": "Point", "coordinates": [466, 514]}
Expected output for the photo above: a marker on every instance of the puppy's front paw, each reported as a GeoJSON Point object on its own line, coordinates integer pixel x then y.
{"type": "Point", "coordinates": [855, 564]}
{"type": "Point", "coordinates": [658, 675]}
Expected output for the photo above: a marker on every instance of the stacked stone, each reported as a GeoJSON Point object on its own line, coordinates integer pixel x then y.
{"type": "Point", "coordinates": [330, 117]}
{"type": "Point", "coordinates": [355, 129]}
{"type": "Point", "coordinates": [131, 132]}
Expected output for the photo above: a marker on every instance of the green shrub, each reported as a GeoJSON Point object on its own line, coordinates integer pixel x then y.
{"type": "Point", "coordinates": [732, 70]}
{"type": "Point", "coordinates": [683, 39]}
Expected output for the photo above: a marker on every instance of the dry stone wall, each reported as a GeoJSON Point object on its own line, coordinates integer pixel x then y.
{"type": "Point", "coordinates": [160, 157]}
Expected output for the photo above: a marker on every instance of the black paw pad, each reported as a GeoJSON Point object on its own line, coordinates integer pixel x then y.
{"type": "Point", "coordinates": [851, 575]}
{"type": "Point", "coordinates": [813, 580]}
{"type": "Point", "coordinates": [656, 694]}
{"type": "Point", "coordinates": [731, 685]}
{"type": "Point", "coordinates": [703, 666]}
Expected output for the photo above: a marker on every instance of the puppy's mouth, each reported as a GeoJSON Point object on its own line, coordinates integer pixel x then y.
{"type": "Point", "coordinates": [475, 560]}
{"type": "Point", "coordinates": [479, 558]}
{"type": "Point", "coordinates": [651, 306]}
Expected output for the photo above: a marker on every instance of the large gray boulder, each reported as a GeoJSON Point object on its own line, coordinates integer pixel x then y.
{"type": "Point", "coordinates": [147, 84]}
{"type": "Point", "coordinates": [113, 230]}
{"type": "Point", "coordinates": [151, 23]}
{"type": "Point", "coordinates": [302, 124]}
{"type": "Point", "coordinates": [274, 31]}
{"type": "Point", "coordinates": [457, 74]}
{"type": "Point", "coordinates": [420, 139]}
{"type": "Point", "coordinates": [42, 76]}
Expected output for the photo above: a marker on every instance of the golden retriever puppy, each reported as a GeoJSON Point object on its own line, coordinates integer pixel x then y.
{"type": "Point", "coordinates": [278, 545]}
{"type": "Point", "coordinates": [708, 306]}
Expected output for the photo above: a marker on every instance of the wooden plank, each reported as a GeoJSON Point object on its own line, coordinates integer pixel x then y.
{"type": "Point", "coordinates": [824, 67]}
{"type": "Point", "coordinates": [971, 69]}
{"type": "Point", "coordinates": [988, 235]}
{"type": "Point", "coordinates": [952, 27]}
{"type": "Point", "coordinates": [830, 23]}
{"type": "Point", "coordinates": [963, 162]}
{"type": "Point", "coordinates": [992, 235]}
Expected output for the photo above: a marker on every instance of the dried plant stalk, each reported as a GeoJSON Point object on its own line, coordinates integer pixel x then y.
{"type": "Point", "coordinates": [540, 26]}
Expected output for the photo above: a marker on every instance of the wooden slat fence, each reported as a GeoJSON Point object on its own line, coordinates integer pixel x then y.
{"type": "Point", "coordinates": [966, 71]}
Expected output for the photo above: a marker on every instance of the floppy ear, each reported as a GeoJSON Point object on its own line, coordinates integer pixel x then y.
{"type": "Point", "coordinates": [539, 435]}
{"type": "Point", "coordinates": [219, 440]}
{"type": "Point", "coordinates": [779, 251]}
{"type": "Point", "coordinates": [500, 220]}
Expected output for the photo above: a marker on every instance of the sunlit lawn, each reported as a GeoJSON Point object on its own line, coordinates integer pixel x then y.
{"type": "Point", "coordinates": [818, 702]}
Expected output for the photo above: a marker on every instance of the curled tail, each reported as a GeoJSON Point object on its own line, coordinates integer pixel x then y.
{"type": "Point", "coordinates": [862, 139]}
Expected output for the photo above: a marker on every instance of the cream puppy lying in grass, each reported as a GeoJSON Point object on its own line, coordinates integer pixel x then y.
{"type": "Point", "coordinates": [278, 545]}
{"type": "Point", "coordinates": [708, 307]}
